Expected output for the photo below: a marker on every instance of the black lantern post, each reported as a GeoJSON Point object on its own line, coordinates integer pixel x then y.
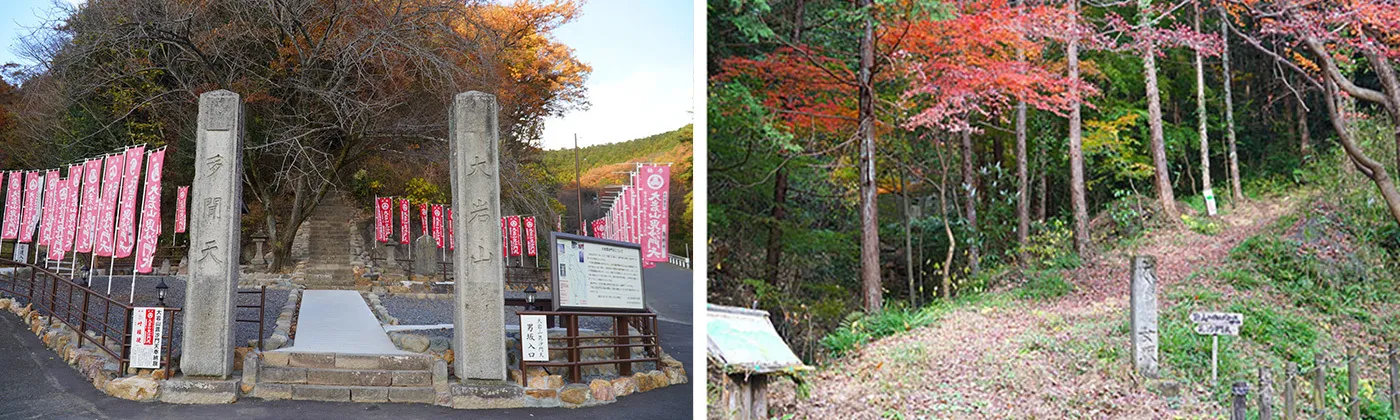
{"type": "Point", "coordinates": [160, 291]}
{"type": "Point", "coordinates": [530, 297]}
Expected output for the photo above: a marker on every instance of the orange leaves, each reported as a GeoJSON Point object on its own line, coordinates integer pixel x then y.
{"type": "Point", "coordinates": [982, 60]}
{"type": "Point", "coordinates": [809, 89]}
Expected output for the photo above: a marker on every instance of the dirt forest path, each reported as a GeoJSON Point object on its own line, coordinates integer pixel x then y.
{"type": "Point", "coordinates": [1025, 359]}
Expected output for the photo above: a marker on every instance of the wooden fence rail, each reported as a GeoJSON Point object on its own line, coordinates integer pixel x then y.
{"type": "Point", "coordinates": [1316, 380]}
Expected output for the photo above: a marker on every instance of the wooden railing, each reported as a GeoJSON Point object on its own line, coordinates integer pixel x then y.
{"type": "Point", "coordinates": [622, 345]}
{"type": "Point", "coordinates": [61, 299]}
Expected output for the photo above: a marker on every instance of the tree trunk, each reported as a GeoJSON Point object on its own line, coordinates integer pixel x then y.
{"type": "Point", "coordinates": [1076, 147]}
{"type": "Point", "coordinates": [1023, 212]}
{"type": "Point", "coordinates": [1154, 121]}
{"type": "Point", "coordinates": [908, 241]}
{"type": "Point", "coordinates": [869, 223]}
{"type": "Point", "coordinates": [304, 201]}
{"type": "Point", "coordinates": [1236, 192]}
{"type": "Point", "coordinates": [1304, 136]}
{"type": "Point", "coordinates": [1369, 167]}
{"type": "Point", "coordinates": [1044, 191]}
{"type": "Point", "coordinates": [1201, 120]}
{"type": "Point", "coordinates": [1391, 87]}
{"type": "Point", "coordinates": [970, 206]}
{"type": "Point", "coordinates": [780, 184]}
{"type": "Point", "coordinates": [947, 285]}
{"type": "Point", "coordinates": [775, 227]}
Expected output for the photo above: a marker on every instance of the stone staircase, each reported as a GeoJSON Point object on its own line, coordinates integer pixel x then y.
{"type": "Point", "coordinates": [330, 254]}
{"type": "Point", "coordinates": [347, 377]}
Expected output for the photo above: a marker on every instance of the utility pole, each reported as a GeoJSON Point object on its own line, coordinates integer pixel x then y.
{"type": "Point", "coordinates": [578, 183]}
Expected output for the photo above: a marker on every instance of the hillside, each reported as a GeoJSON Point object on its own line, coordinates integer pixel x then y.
{"type": "Point", "coordinates": [598, 162]}
{"type": "Point", "coordinates": [1308, 271]}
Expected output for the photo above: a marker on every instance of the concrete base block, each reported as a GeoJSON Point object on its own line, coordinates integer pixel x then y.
{"type": "Point", "coordinates": [199, 391]}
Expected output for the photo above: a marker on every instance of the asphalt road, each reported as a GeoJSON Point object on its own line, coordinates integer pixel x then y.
{"type": "Point", "coordinates": [36, 384]}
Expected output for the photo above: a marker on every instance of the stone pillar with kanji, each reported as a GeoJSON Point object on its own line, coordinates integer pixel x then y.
{"type": "Point", "coordinates": [215, 194]}
{"type": "Point", "coordinates": [479, 312]}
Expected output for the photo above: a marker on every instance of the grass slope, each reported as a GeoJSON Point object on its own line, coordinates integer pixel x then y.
{"type": "Point", "coordinates": [598, 162]}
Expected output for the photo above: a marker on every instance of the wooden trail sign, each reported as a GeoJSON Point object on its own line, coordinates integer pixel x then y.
{"type": "Point", "coordinates": [1216, 324]}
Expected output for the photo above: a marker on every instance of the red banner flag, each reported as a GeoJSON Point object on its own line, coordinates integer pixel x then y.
{"type": "Point", "coordinates": [451, 239]}
{"type": "Point", "coordinates": [70, 213]}
{"type": "Point", "coordinates": [405, 222]}
{"type": "Point", "coordinates": [655, 212]}
{"type": "Point", "coordinates": [150, 213]}
{"type": "Point", "coordinates": [505, 239]}
{"type": "Point", "coordinates": [384, 218]}
{"type": "Point", "coordinates": [126, 217]}
{"type": "Point", "coordinates": [513, 225]}
{"type": "Point", "coordinates": [90, 197]}
{"type": "Point", "coordinates": [33, 186]}
{"type": "Point", "coordinates": [423, 213]}
{"type": "Point", "coordinates": [437, 224]}
{"type": "Point", "coordinates": [50, 207]}
{"type": "Point", "coordinates": [378, 220]}
{"type": "Point", "coordinates": [106, 216]}
{"type": "Point", "coordinates": [531, 244]}
{"type": "Point", "coordinates": [55, 212]}
{"type": "Point", "coordinates": [14, 198]}
{"type": "Point", "coordinates": [627, 209]}
{"type": "Point", "coordinates": [626, 234]}
{"type": "Point", "coordinates": [182, 196]}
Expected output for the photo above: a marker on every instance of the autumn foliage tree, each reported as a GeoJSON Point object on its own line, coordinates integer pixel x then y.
{"type": "Point", "coordinates": [1342, 39]}
{"type": "Point", "coordinates": [328, 85]}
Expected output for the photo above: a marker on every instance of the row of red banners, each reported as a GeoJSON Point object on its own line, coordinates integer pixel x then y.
{"type": "Point", "coordinates": [93, 209]}
{"type": "Point", "coordinates": [518, 233]}
{"type": "Point", "coordinates": [640, 213]}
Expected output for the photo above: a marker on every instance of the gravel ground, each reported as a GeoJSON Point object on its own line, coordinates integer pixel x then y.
{"type": "Point", "coordinates": [175, 296]}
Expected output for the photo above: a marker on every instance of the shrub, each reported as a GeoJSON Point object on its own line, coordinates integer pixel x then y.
{"type": "Point", "coordinates": [1201, 225]}
{"type": "Point", "coordinates": [859, 328]}
{"type": "Point", "coordinates": [1044, 284]}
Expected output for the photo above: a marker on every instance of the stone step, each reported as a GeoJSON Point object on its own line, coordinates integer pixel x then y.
{"type": "Point", "coordinates": [346, 377]}
{"type": "Point", "coordinates": [410, 362]}
{"type": "Point", "coordinates": [270, 391]}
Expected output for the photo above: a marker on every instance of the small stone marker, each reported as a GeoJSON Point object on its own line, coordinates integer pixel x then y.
{"type": "Point", "coordinates": [1216, 324]}
{"type": "Point", "coordinates": [478, 314]}
{"type": "Point", "coordinates": [425, 256]}
{"type": "Point", "coordinates": [214, 237]}
{"type": "Point", "coordinates": [1144, 313]}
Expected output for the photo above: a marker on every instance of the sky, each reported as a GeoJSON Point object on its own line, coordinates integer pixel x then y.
{"type": "Point", "coordinates": [643, 58]}
{"type": "Point", "coordinates": [642, 53]}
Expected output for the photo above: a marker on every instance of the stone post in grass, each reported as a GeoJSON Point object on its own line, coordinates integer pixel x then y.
{"type": "Point", "coordinates": [1144, 315]}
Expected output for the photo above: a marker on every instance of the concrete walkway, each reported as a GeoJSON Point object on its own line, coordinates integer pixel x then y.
{"type": "Point", "coordinates": [339, 321]}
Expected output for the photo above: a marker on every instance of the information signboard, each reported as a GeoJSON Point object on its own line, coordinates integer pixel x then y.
{"type": "Point", "coordinates": [147, 331]}
{"type": "Point", "coordinates": [534, 338]}
{"type": "Point", "coordinates": [595, 274]}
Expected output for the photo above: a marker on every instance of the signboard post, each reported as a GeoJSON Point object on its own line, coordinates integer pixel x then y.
{"type": "Point", "coordinates": [1216, 324]}
{"type": "Point", "coordinates": [148, 329]}
{"type": "Point", "coordinates": [595, 274]}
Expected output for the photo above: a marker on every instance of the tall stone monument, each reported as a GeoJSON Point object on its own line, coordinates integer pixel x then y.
{"type": "Point", "coordinates": [214, 241]}
{"type": "Point", "coordinates": [1144, 313]}
{"type": "Point", "coordinates": [479, 314]}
